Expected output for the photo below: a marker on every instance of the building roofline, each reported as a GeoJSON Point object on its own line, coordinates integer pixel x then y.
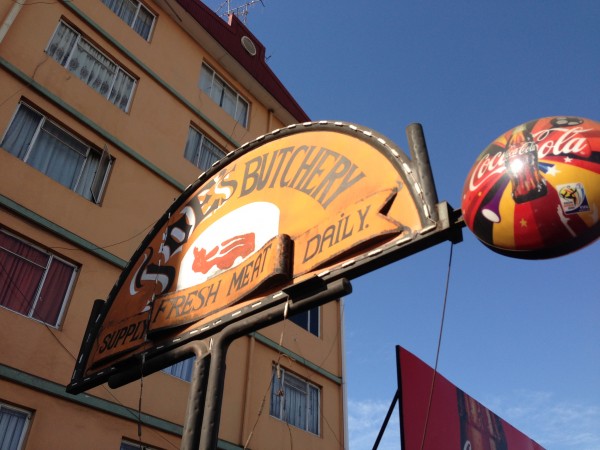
{"type": "Point", "coordinates": [229, 36]}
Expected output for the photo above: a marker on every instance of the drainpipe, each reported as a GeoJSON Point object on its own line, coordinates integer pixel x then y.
{"type": "Point", "coordinates": [270, 120]}
{"type": "Point", "coordinates": [10, 18]}
{"type": "Point", "coordinates": [344, 374]}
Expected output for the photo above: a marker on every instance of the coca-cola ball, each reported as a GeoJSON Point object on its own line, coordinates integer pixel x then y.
{"type": "Point", "coordinates": [534, 192]}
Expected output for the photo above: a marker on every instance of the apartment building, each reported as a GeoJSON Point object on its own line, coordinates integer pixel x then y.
{"type": "Point", "coordinates": [108, 110]}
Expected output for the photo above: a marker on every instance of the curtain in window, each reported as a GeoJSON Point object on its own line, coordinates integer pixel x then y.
{"type": "Point", "coordinates": [21, 132]}
{"type": "Point", "coordinates": [216, 92]}
{"type": "Point", "coordinates": [206, 77]}
{"type": "Point", "coordinates": [21, 270]}
{"type": "Point", "coordinates": [91, 66]}
{"type": "Point", "coordinates": [210, 152]}
{"type": "Point", "coordinates": [54, 291]}
{"type": "Point", "coordinates": [192, 146]}
{"type": "Point", "coordinates": [200, 151]}
{"type": "Point", "coordinates": [295, 406]}
{"type": "Point", "coordinates": [58, 155]}
{"type": "Point", "coordinates": [133, 14]}
{"type": "Point", "coordinates": [276, 395]}
{"type": "Point", "coordinates": [313, 409]}
{"type": "Point", "coordinates": [54, 152]}
{"type": "Point", "coordinates": [143, 23]}
{"type": "Point", "coordinates": [226, 97]}
{"type": "Point", "coordinates": [295, 401]}
{"type": "Point", "coordinates": [229, 101]}
{"type": "Point", "coordinates": [12, 426]}
{"type": "Point", "coordinates": [125, 9]}
{"type": "Point", "coordinates": [62, 44]}
{"type": "Point", "coordinates": [121, 90]}
{"type": "Point", "coordinates": [241, 112]}
{"type": "Point", "coordinates": [32, 282]}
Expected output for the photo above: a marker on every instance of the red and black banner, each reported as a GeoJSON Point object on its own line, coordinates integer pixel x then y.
{"type": "Point", "coordinates": [435, 414]}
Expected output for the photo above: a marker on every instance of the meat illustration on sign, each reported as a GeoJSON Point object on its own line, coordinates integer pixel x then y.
{"type": "Point", "coordinates": [224, 255]}
{"type": "Point", "coordinates": [228, 242]}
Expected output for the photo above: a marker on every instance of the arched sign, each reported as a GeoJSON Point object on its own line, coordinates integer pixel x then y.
{"type": "Point", "coordinates": [535, 191]}
{"type": "Point", "coordinates": [300, 201]}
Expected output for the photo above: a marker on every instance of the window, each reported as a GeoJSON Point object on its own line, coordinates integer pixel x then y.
{"type": "Point", "coordinates": [128, 445]}
{"type": "Point", "coordinates": [90, 65]}
{"type": "Point", "coordinates": [134, 14]}
{"type": "Point", "coordinates": [309, 320]}
{"type": "Point", "coordinates": [200, 150]}
{"type": "Point", "coordinates": [295, 401]}
{"type": "Point", "coordinates": [225, 96]}
{"type": "Point", "coordinates": [13, 427]}
{"type": "Point", "coordinates": [33, 282]}
{"type": "Point", "coordinates": [182, 369]}
{"type": "Point", "coordinates": [41, 143]}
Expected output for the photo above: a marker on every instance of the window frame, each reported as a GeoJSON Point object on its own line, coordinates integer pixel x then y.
{"type": "Point", "coordinates": [68, 289]}
{"type": "Point", "coordinates": [184, 370]}
{"type": "Point", "coordinates": [127, 444]}
{"type": "Point", "coordinates": [80, 37]}
{"type": "Point", "coordinates": [312, 315]}
{"type": "Point", "coordinates": [209, 87]}
{"type": "Point", "coordinates": [198, 150]}
{"type": "Point", "coordinates": [98, 181]}
{"type": "Point", "coordinates": [25, 414]}
{"type": "Point", "coordinates": [278, 389]}
{"type": "Point", "coordinates": [139, 5]}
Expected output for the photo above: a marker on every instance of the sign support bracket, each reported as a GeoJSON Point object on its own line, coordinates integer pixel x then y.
{"type": "Point", "coordinates": [386, 420]}
{"type": "Point", "coordinates": [420, 157]}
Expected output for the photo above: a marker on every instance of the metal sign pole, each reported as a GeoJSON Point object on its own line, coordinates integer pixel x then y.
{"type": "Point", "coordinates": [190, 440]}
{"type": "Point", "coordinates": [301, 297]}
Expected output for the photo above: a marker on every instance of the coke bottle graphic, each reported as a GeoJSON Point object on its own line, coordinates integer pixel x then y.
{"type": "Point", "coordinates": [521, 162]}
{"type": "Point", "coordinates": [480, 429]}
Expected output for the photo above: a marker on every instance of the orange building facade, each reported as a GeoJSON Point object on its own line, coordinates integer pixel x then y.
{"type": "Point", "coordinates": [109, 109]}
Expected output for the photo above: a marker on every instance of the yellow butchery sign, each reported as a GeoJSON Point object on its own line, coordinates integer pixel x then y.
{"type": "Point", "coordinates": [276, 210]}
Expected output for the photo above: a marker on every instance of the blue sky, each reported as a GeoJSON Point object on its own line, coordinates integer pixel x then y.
{"type": "Point", "coordinates": [522, 337]}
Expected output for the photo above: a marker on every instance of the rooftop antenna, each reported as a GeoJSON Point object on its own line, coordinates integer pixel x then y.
{"type": "Point", "coordinates": [241, 11]}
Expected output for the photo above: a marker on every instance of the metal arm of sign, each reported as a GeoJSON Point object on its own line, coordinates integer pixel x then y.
{"type": "Point", "coordinates": [199, 349]}
{"type": "Point", "coordinates": [448, 228]}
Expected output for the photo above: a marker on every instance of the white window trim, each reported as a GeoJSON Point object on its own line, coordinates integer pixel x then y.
{"type": "Point", "coordinates": [140, 5]}
{"type": "Point", "coordinates": [119, 66]}
{"type": "Point", "coordinates": [68, 291]}
{"type": "Point", "coordinates": [280, 415]}
{"type": "Point", "coordinates": [136, 445]}
{"type": "Point", "coordinates": [203, 139]}
{"type": "Point", "coordinates": [27, 422]}
{"type": "Point", "coordinates": [239, 97]}
{"type": "Point", "coordinates": [98, 186]}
